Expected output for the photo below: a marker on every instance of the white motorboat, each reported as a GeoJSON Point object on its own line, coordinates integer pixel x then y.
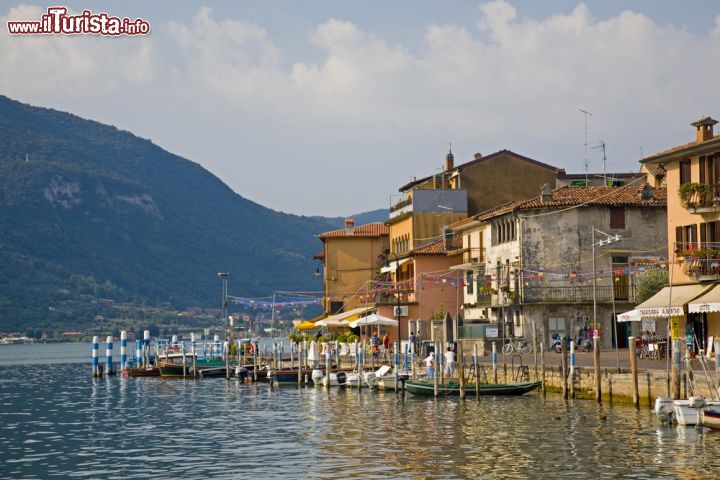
{"type": "Point", "coordinates": [710, 417]}
{"type": "Point", "coordinates": [386, 379]}
{"type": "Point", "coordinates": [369, 379]}
{"type": "Point", "coordinates": [687, 412]}
{"type": "Point", "coordinates": [336, 379]}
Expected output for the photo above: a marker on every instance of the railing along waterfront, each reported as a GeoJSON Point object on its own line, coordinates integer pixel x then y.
{"type": "Point", "coordinates": [577, 294]}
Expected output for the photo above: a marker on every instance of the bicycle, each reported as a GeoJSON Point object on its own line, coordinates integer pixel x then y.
{"type": "Point", "coordinates": [523, 346]}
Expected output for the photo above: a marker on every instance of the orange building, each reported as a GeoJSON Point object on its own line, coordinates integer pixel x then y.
{"type": "Point", "coordinates": [350, 257]}
{"type": "Point", "coordinates": [692, 174]}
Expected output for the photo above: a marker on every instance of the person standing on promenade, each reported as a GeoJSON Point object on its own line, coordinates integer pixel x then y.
{"type": "Point", "coordinates": [411, 341]}
{"type": "Point", "coordinates": [430, 365]}
{"type": "Point", "coordinates": [450, 362]}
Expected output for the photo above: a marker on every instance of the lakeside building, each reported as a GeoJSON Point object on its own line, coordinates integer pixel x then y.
{"type": "Point", "coordinates": [420, 290]}
{"type": "Point", "coordinates": [431, 203]}
{"type": "Point", "coordinates": [350, 258]}
{"type": "Point", "coordinates": [692, 174]}
{"type": "Point", "coordinates": [529, 264]}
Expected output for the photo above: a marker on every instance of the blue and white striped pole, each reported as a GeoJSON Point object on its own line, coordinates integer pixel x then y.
{"type": "Point", "coordinates": [572, 360]}
{"type": "Point", "coordinates": [146, 347]}
{"type": "Point", "coordinates": [138, 352]}
{"type": "Point", "coordinates": [95, 361]}
{"type": "Point", "coordinates": [123, 350]}
{"type": "Point", "coordinates": [494, 360]}
{"type": "Point", "coordinates": [108, 356]}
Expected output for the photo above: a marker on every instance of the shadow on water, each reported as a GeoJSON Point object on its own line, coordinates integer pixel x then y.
{"type": "Point", "coordinates": [56, 420]}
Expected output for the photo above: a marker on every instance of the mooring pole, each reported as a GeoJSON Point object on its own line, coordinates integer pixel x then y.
{"type": "Point", "coordinates": [633, 371]}
{"type": "Point", "coordinates": [596, 357]}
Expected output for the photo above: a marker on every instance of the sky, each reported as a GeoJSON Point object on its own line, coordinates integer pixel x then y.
{"type": "Point", "coordinates": [328, 107]}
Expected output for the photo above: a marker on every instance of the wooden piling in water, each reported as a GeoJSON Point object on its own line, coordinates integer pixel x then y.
{"type": "Point", "coordinates": [563, 363]}
{"type": "Point", "coordinates": [542, 366]}
{"type": "Point", "coordinates": [572, 370]}
{"type": "Point", "coordinates": [459, 363]}
{"type": "Point", "coordinates": [435, 370]}
{"type": "Point", "coordinates": [596, 358]}
{"type": "Point", "coordinates": [535, 350]}
{"type": "Point", "coordinates": [676, 357]}
{"type": "Point", "coordinates": [477, 373]}
{"type": "Point", "coordinates": [633, 371]}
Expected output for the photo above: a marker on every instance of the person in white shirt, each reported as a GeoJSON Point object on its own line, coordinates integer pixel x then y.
{"type": "Point", "coordinates": [430, 365]}
{"type": "Point", "coordinates": [450, 362]}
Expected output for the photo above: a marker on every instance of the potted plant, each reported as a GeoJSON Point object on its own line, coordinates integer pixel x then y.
{"type": "Point", "coordinates": [693, 194]}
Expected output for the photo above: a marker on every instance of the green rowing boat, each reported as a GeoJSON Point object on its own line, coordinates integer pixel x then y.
{"type": "Point", "coordinates": [417, 387]}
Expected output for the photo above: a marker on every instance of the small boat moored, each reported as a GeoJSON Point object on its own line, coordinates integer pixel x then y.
{"type": "Point", "coordinates": [417, 387]}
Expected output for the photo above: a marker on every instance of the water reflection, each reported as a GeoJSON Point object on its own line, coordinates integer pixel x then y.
{"type": "Point", "coordinates": [57, 420]}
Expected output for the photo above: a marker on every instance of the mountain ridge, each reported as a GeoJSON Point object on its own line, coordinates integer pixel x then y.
{"type": "Point", "coordinates": [99, 209]}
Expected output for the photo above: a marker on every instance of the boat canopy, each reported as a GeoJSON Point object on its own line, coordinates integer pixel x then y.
{"type": "Point", "coordinates": [669, 301]}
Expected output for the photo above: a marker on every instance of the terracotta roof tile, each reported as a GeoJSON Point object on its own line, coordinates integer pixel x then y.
{"type": "Point", "coordinates": [576, 196]}
{"type": "Point", "coordinates": [438, 247]}
{"type": "Point", "coordinates": [376, 229]}
{"type": "Point", "coordinates": [680, 148]}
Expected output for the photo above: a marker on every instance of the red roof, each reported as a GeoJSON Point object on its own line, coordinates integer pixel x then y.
{"type": "Point", "coordinates": [375, 229]}
{"type": "Point", "coordinates": [582, 196]}
{"type": "Point", "coordinates": [438, 247]}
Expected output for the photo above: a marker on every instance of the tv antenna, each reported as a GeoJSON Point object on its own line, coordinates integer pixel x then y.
{"type": "Point", "coordinates": [601, 146]}
{"type": "Point", "coordinates": [586, 113]}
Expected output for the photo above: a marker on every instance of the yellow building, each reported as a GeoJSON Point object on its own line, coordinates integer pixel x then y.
{"type": "Point", "coordinates": [350, 257]}
{"type": "Point", "coordinates": [432, 203]}
{"type": "Point", "coordinates": [692, 174]}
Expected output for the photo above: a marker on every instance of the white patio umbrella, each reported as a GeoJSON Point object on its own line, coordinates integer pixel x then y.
{"type": "Point", "coordinates": [313, 355]}
{"type": "Point", "coordinates": [373, 319]}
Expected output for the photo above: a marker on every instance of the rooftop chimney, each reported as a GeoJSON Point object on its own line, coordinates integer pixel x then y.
{"type": "Point", "coordinates": [349, 226]}
{"type": "Point", "coordinates": [447, 237]}
{"type": "Point", "coordinates": [704, 129]}
{"type": "Point", "coordinates": [546, 193]}
{"type": "Point", "coordinates": [449, 161]}
{"type": "Point", "coordinates": [478, 156]}
{"type": "Point", "coordinates": [646, 194]}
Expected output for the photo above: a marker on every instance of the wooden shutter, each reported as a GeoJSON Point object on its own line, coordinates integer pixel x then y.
{"type": "Point", "coordinates": [679, 241]}
{"type": "Point", "coordinates": [703, 233]}
{"type": "Point", "coordinates": [703, 167]}
{"type": "Point", "coordinates": [617, 217]}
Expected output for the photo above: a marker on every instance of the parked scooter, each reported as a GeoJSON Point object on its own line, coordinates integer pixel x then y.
{"type": "Point", "coordinates": [582, 344]}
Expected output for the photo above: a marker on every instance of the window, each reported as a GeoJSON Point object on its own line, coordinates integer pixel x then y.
{"type": "Point", "coordinates": [617, 217]}
{"type": "Point", "coordinates": [686, 237]}
{"type": "Point", "coordinates": [709, 234]}
{"type": "Point", "coordinates": [685, 171]}
{"type": "Point", "coordinates": [469, 282]}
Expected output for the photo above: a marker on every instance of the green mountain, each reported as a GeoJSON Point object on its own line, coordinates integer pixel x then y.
{"type": "Point", "coordinates": [89, 212]}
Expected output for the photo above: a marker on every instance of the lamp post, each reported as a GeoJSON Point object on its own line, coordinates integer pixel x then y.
{"type": "Point", "coordinates": [223, 313]}
{"type": "Point", "coordinates": [596, 338]}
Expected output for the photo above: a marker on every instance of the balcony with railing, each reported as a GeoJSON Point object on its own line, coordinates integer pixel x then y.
{"type": "Point", "coordinates": [578, 294]}
{"type": "Point", "coordinates": [701, 262]}
{"type": "Point", "coordinates": [474, 256]}
{"type": "Point", "coordinates": [700, 197]}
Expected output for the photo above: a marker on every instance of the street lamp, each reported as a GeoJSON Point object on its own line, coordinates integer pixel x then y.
{"type": "Point", "coordinates": [596, 339]}
{"type": "Point", "coordinates": [223, 312]}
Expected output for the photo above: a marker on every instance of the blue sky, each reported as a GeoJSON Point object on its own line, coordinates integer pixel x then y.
{"type": "Point", "coordinates": [327, 107]}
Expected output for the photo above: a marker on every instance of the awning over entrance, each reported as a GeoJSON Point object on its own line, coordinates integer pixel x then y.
{"type": "Point", "coordinates": [669, 301]}
{"type": "Point", "coordinates": [393, 265]}
{"type": "Point", "coordinates": [709, 302]}
{"type": "Point", "coordinates": [631, 316]}
{"type": "Point", "coordinates": [341, 319]}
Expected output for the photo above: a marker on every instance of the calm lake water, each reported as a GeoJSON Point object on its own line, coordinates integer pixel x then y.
{"type": "Point", "coordinates": [57, 421]}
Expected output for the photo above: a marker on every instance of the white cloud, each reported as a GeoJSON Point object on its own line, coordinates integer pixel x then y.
{"type": "Point", "coordinates": [367, 114]}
